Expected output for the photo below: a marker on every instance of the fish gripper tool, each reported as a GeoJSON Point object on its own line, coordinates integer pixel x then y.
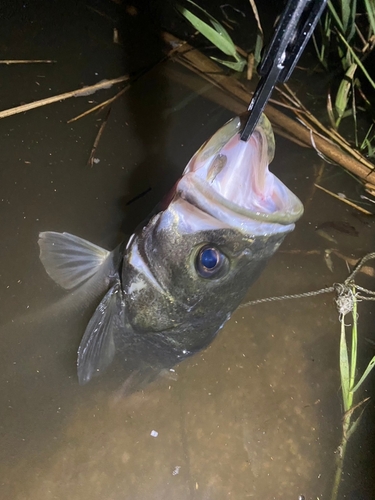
{"type": "Point", "coordinates": [291, 35]}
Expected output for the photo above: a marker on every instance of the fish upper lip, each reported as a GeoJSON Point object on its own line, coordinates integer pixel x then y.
{"type": "Point", "coordinates": [201, 194]}
{"type": "Point", "coordinates": [230, 178]}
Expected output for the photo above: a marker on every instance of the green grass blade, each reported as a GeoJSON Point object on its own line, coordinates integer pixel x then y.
{"type": "Point", "coordinates": [327, 28]}
{"type": "Point", "coordinates": [353, 360]}
{"type": "Point", "coordinates": [237, 66]}
{"type": "Point", "coordinates": [345, 14]}
{"type": "Point", "coordinates": [357, 60]}
{"type": "Point", "coordinates": [211, 34]}
{"type": "Point", "coordinates": [325, 35]}
{"type": "Point", "coordinates": [215, 23]}
{"type": "Point", "coordinates": [366, 140]}
{"type": "Point", "coordinates": [335, 16]}
{"type": "Point", "coordinates": [221, 30]}
{"type": "Point", "coordinates": [330, 112]}
{"type": "Point", "coordinates": [353, 13]}
{"type": "Point", "coordinates": [370, 366]}
{"type": "Point", "coordinates": [260, 36]}
{"type": "Point", "coordinates": [317, 50]}
{"type": "Point", "coordinates": [370, 9]}
{"type": "Point", "coordinates": [354, 426]}
{"type": "Point", "coordinates": [354, 111]}
{"type": "Point", "coordinates": [342, 97]}
{"type": "Point", "coordinates": [344, 367]}
{"type": "Point", "coordinates": [258, 47]}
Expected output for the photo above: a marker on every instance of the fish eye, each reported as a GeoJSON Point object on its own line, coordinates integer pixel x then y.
{"type": "Point", "coordinates": [209, 261]}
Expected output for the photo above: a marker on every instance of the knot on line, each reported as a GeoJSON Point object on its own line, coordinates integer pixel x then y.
{"type": "Point", "coordinates": [345, 298]}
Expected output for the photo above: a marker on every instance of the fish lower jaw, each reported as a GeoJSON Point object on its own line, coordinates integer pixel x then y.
{"type": "Point", "coordinates": [204, 197]}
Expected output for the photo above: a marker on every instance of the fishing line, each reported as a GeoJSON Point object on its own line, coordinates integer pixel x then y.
{"type": "Point", "coordinates": [344, 291]}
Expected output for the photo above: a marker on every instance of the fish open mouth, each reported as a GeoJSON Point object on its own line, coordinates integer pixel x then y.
{"type": "Point", "coordinates": [229, 179]}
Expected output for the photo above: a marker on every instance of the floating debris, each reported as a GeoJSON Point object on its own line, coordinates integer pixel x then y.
{"type": "Point", "coordinates": [340, 226]}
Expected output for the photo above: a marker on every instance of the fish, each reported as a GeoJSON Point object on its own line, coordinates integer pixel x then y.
{"type": "Point", "coordinates": [174, 284]}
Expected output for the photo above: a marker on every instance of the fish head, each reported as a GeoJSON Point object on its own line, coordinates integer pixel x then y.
{"type": "Point", "coordinates": [192, 265]}
{"type": "Point", "coordinates": [230, 179]}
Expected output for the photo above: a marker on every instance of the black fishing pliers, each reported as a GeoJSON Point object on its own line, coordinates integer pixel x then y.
{"type": "Point", "coordinates": [292, 33]}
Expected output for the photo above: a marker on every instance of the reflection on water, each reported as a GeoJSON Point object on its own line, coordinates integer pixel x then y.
{"type": "Point", "coordinates": [257, 414]}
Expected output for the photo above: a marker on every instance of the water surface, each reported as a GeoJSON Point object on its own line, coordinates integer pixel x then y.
{"type": "Point", "coordinates": [258, 413]}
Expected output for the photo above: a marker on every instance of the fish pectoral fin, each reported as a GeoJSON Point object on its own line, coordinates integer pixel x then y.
{"type": "Point", "coordinates": [97, 347]}
{"type": "Point", "coordinates": [68, 259]}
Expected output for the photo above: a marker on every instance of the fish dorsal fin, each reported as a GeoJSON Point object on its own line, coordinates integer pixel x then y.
{"type": "Point", "coordinates": [97, 347]}
{"type": "Point", "coordinates": [68, 259]}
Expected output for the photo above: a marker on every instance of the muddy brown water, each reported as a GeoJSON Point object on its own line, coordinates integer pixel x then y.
{"type": "Point", "coordinates": [258, 413]}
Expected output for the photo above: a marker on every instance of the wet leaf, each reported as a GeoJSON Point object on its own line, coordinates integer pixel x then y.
{"type": "Point", "coordinates": [353, 360]}
{"type": "Point", "coordinates": [370, 9]}
{"type": "Point", "coordinates": [353, 13]}
{"type": "Point", "coordinates": [217, 35]}
{"type": "Point", "coordinates": [335, 16]}
{"type": "Point", "coordinates": [221, 30]}
{"type": "Point", "coordinates": [344, 368]}
{"type": "Point", "coordinates": [330, 112]}
{"type": "Point", "coordinates": [354, 426]}
{"type": "Point", "coordinates": [366, 141]}
{"type": "Point", "coordinates": [345, 14]}
{"type": "Point", "coordinates": [215, 23]}
{"type": "Point", "coordinates": [221, 41]}
{"type": "Point", "coordinates": [258, 47]}
{"type": "Point", "coordinates": [342, 97]}
{"type": "Point", "coordinates": [237, 66]}
{"type": "Point", "coordinates": [370, 366]}
{"type": "Point", "coordinates": [260, 37]}
{"type": "Point", "coordinates": [357, 60]}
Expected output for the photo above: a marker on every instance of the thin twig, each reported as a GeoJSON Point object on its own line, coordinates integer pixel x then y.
{"type": "Point", "coordinates": [91, 89]}
{"type": "Point", "coordinates": [256, 15]}
{"type": "Point", "coordinates": [250, 66]}
{"type": "Point", "coordinates": [97, 139]}
{"type": "Point", "coordinates": [363, 210]}
{"type": "Point", "coordinates": [25, 61]}
{"type": "Point", "coordinates": [99, 106]}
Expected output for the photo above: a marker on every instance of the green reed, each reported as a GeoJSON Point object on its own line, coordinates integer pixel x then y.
{"type": "Point", "coordinates": [346, 38]}
{"type": "Point", "coordinates": [349, 386]}
{"type": "Point", "coordinates": [217, 35]}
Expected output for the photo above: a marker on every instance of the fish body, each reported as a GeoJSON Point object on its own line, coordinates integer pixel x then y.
{"type": "Point", "coordinates": [178, 279]}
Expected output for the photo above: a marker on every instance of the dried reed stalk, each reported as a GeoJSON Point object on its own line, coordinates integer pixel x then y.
{"type": "Point", "coordinates": [91, 89]}
{"type": "Point", "coordinates": [26, 61]}
{"type": "Point", "coordinates": [202, 65]}
{"type": "Point", "coordinates": [344, 200]}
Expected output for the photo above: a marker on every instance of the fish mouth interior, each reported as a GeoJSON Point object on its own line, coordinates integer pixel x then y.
{"type": "Point", "coordinates": [234, 174]}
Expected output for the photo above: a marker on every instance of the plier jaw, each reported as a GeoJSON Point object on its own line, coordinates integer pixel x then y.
{"type": "Point", "coordinates": [292, 33]}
